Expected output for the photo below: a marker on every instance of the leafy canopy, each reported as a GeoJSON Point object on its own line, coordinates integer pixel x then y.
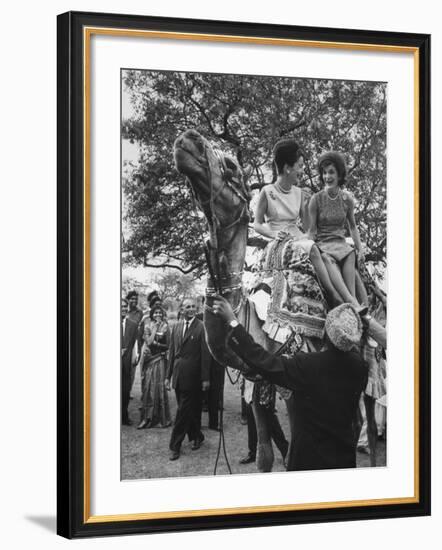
{"type": "Point", "coordinates": [244, 116]}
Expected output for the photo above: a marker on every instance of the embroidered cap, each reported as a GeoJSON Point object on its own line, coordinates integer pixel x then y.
{"type": "Point", "coordinates": [344, 327]}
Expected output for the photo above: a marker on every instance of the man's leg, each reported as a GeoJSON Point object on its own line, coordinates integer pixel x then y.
{"type": "Point", "coordinates": [265, 456]}
{"type": "Point", "coordinates": [194, 433]}
{"type": "Point", "coordinates": [125, 392]}
{"type": "Point", "coordinates": [276, 432]}
{"type": "Point", "coordinates": [183, 420]}
{"type": "Point", "coordinates": [252, 437]}
{"type": "Point", "coordinates": [243, 405]}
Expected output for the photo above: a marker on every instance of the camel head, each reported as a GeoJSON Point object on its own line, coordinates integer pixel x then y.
{"type": "Point", "coordinates": [208, 170]}
{"type": "Point", "coordinates": [217, 184]}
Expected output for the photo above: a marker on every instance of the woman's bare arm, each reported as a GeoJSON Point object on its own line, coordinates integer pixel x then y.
{"type": "Point", "coordinates": [313, 216]}
{"type": "Point", "coordinates": [354, 231]}
{"type": "Point", "coordinates": [259, 224]}
{"type": "Point", "coordinates": [304, 210]}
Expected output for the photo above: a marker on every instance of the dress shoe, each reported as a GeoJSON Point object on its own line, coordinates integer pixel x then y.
{"type": "Point", "coordinates": [174, 455]}
{"type": "Point", "coordinates": [127, 422]}
{"type": "Point", "coordinates": [197, 443]}
{"type": "Point", "coordinates": [248, 459]}
{"type": "Point", "coordinates": [144, 424]}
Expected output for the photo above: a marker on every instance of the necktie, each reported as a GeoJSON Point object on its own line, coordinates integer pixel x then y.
{"type": "Point", "coordinates": [186, 328]}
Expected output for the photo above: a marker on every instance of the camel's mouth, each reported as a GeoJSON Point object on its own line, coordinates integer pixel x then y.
{"type": "Point", "coordinates": [190, 153]}
{"type": "Point", "coordinates": [187, 160]}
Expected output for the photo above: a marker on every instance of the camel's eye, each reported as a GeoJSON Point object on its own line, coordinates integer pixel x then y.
{"type": "Point", "coordinates": [230, 163]}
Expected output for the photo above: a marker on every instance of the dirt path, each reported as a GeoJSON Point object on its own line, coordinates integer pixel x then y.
{"type": "Point", "coordinates": [145, 453]}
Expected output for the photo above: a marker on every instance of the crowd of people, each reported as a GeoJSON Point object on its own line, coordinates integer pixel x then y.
{"type": "Point", "coordinates": [169, 357]}
{"type": "Point", "coordinates": [327, 384]}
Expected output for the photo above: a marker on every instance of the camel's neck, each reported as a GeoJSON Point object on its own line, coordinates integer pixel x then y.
{"type": "Point", "coordinates": [227, 256]}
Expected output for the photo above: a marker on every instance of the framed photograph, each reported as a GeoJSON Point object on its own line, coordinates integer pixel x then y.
{"type": "Point", "coordinates": [239, 205]}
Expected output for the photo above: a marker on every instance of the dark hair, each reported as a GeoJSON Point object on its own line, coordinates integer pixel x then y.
{"type": "Point", "coordinates": [338, 161]}
{"type": "Point", "coordinates": [131, 294]}
{"type": "Point", "coordinates": [153, 297]}
{"type": "Point", "coordinates": [286, 151]}
{"type": "Point", "coordinates": [154, 309]}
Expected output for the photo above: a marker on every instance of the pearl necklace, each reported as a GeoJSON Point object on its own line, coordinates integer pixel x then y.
{"type": "Point", "coordinates": [330, 197]}
{"type": "Point", "coordinates": [278, 186]}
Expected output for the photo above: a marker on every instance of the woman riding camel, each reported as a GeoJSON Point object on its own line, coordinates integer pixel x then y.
{"type": "Point", "coordinates": [282, 204]}
{"type": "Point", "coordinates": [331, 210]}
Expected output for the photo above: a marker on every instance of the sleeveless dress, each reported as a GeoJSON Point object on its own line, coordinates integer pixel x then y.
{"type": "Point", "coordinates": [283, 213]}
{"type": "Point", "coordinates": [331, 224]}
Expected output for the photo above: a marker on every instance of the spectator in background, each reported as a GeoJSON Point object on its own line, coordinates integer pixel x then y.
{"type": "Point", "coordinates": [188, 373]}
{"type": "Point", "coordinates": [135, 314]}
{"type": "Point", "coordinates": [129, 356]}
{"type": "Point", "coordinates": [153, 364]}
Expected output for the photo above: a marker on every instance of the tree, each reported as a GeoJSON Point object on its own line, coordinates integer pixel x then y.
{"type": "Point", "coordinates": [244, 116]}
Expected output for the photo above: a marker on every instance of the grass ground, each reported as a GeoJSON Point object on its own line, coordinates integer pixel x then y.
{"type": "Point", "coordinates": [145, 453]}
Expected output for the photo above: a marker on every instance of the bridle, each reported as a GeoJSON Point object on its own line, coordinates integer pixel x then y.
{"type": "Point", "coordinates": [221, 284]}
{"type": "Point", "coordinates": [232, 281]}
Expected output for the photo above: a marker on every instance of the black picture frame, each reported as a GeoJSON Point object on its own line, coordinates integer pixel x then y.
{"type": "Point", "coordinates": [72, 508]}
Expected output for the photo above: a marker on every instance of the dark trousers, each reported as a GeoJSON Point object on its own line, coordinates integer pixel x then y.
{"type": "Point", "coordinates": [268, 415]}
{"type": "Point", "coordinates": [215, 393]}
{"type": "Point", "coordinates": [188, 418]}
{"type": "Point", "coordinates": [126, 384]}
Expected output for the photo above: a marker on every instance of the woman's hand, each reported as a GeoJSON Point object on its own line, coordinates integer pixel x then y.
{"type": "Point", "coordinates": [281, 235]}
{"type": "Point", "coordinates": [222, 309]}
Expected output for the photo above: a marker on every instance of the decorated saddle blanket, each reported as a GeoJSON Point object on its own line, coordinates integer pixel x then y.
{"type": "Point", "coordinates": [288, 297]}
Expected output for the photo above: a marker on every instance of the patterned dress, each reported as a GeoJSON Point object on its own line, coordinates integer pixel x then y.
{"type": "Point", "coordinates": [154, 398]}
{"type": "Point", "coordinates": [331, 223]}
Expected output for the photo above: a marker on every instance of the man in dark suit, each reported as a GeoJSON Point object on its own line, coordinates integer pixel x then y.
{"type": "Point", "coordinates": [327, 387]}
{"type": "Point", "coordinates": [135, 314]}
{"type": "Point", "coordinates": [129, 333]}
{"type": "Point", "coordinates": [188, 371]}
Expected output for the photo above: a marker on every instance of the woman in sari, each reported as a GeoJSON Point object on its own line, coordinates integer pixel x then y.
{"type": "Point", "coordinates": [153, 363]}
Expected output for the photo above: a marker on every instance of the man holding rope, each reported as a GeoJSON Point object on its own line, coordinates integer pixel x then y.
{"type": "Point", "coordinates": [327, 386]}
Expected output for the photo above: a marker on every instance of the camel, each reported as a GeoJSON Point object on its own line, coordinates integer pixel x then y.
{"type": "Point", "coordinates": [219, 190]}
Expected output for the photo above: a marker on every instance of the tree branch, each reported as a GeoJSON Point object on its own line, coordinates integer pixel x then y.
{"type": "Point", "coordinates": [183, 270]}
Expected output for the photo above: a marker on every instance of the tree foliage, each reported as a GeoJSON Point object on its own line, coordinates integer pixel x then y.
{"type": "Point", "coordinates": [244, 116]}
